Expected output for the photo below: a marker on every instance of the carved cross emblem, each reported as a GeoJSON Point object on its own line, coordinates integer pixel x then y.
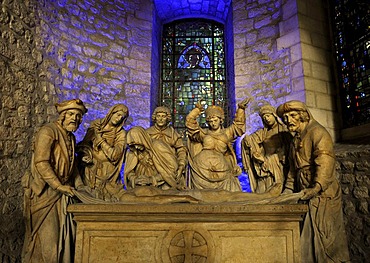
{"type": "Point", "coordinates": [188, 247]}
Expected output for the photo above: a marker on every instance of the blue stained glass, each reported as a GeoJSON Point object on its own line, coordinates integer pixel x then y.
{"type": "Point", "coordinates": [194, 56]}
{"type": "Point", "coordinates": [194, 67]}
{"type": "Point", "coordinates": [352, 43]}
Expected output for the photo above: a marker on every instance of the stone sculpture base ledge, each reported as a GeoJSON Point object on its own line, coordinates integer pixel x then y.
{"type": "Point", "coordinates": [225, 232]}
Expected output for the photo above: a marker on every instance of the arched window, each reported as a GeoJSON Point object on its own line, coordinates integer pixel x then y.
{"type": "Point", "coordinates": [193, 67]}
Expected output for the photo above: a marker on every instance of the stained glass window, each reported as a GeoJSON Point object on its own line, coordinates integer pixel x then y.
{"type": "Point", "coordinates": [193, 67]}
{"type": "Point", "coordinates": [352, 43]}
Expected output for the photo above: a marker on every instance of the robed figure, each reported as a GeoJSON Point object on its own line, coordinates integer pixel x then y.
{"type": "Point", "coordinates": [102, 153]}
{"type": "Point", "coordinates": [50, 230]}
{"type": "Point", "coordinates": [264, 152]}
{"type": "Point", "coordinates": [163, 131]}
{"type": "Point", "coordinates": [312, 171]}
{"type": "Point", "coordinates": [211, 155]}
{"type": "Point", "coordinates": [149, 162]}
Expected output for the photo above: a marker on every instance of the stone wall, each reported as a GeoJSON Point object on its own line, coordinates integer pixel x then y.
{"type": "Point", "coordinates": [19, 59]}
{"type": "Point", "coordinates": [353, 167]}
{"type": "Point", "coordinates": [262, 71]}
{"type": "Point", "coordinates": [55, 50]}
{"type": "Point", "coordinates": [100, 52]}
{"type": "Point", "coordinates": [317, 58]}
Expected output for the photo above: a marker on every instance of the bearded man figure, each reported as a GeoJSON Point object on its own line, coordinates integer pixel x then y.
{"type": "Point", "coordinates": [312, 171]}
{"type": "Point", "coordinates": [50, 231]}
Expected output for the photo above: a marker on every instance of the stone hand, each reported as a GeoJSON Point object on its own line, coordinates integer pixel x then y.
{"type": "Point", "coordinates": [309, 193]}
{"type": "Point", "coordinates": [287, 191]}
{"type": "Point", "coordinates": [258, 157]}
{"type": "Point", "coordinates": [84, 188]}
{"type": "Point", "coordinates": [181, 187]}
{"type": "Point", "coordinates": [66, 189]}
{"type": "Point", "coordinates": [179, 172]}
{"type": "Point", "coordinates": [244, 103]}
{"type": "Point", "coordinates": [199, 106]}
{"type": "Point", "coordinates": [87, 159]}
{"type": "Point", "coordinates": [98, 137]}
{"type": "Point", "coordinates": [143, 180]}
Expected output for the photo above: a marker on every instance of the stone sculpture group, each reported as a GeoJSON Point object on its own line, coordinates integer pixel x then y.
{"type": "Point", "coordinates": [290, 159]}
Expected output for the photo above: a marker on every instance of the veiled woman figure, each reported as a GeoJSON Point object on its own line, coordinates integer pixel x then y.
{"type": "Point", "coordinates": [102, 152]}
{"type": "Point", "coordinates": [149, 162]}
{"type": "Point", "coordinates": [212, 158]}
{"type": "Point", "coordinates": [264, 152]}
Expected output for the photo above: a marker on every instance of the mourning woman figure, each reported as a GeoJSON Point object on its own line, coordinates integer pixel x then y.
{"type": "Point", "coordinates": [149, 162]}
{"type": "Point", "coordinates": [211, 156]}
{"type": "Point", "coordinates": [264, 152]}
{"type": "Point", "coordinates": [102, 152]}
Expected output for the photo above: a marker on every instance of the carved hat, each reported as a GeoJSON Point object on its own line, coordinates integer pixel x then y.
{"type": "Point", "coordinates": [267, 109]}
{"type": "Point", "coordinates": [293, 105]}
{"type": "Point", "coordinates": [71, 104]}
{"type": "Point", "coordinates": [214, 110]}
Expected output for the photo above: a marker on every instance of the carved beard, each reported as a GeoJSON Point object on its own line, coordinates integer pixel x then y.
{"type": "Point", "coordinates": [71, 126]}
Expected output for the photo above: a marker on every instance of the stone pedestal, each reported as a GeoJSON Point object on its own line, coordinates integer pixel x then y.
{"type": "Point", "coordinates": [187, 233]}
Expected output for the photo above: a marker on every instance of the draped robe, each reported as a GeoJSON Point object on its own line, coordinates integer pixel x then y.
{"type": "Point", "coordinates": [50, 231]}
{"type": "Point", "coordinates": [211, 155]}
{"type": "Point", "coordinates": [312, 161]}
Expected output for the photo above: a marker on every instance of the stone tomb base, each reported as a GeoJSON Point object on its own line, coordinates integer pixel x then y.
{"type": "Point", "coordinates": [187, 233]}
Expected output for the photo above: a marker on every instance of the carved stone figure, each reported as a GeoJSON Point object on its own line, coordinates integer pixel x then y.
{"type": "Point", "coordinates": [162, 131]}
{"type": "Point", "coordinates": [312, 171]}
{"type": "Point", "coordinates": [264, 152]}
{"type": "Point", "coordinates": [154, 195]}
{"type": "Point", "coordinates": [149, 162]}
{"type": "Point", "coordinates": [102, 152]}
{"type": "Point", "coordinates": [49, 188]}
{"type": "Point", "coordinates": [211, 156]}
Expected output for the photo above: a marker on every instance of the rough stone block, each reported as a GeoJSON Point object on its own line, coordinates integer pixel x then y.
{"type": "Point", "coordinates": [295, 53]}
{"type": "Point", "coordinates": [288, 40]}
{"type": "Point", "coordinates": [324, 101]}
{"type": "Point", "coordinates": [310, 99]}
{"type": "Point", "coordinates": [315, 54]}
{"type": "Point", "coordinates": [315, 85]}
{"type": "Point", "coordinates": [297, 69]}
{"type": "Point", "coordinates": [289, 9]}
{"type": "Point", "coordinates": [321, 71]}
{"type": "Point", "coordinates": [239, 41]}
